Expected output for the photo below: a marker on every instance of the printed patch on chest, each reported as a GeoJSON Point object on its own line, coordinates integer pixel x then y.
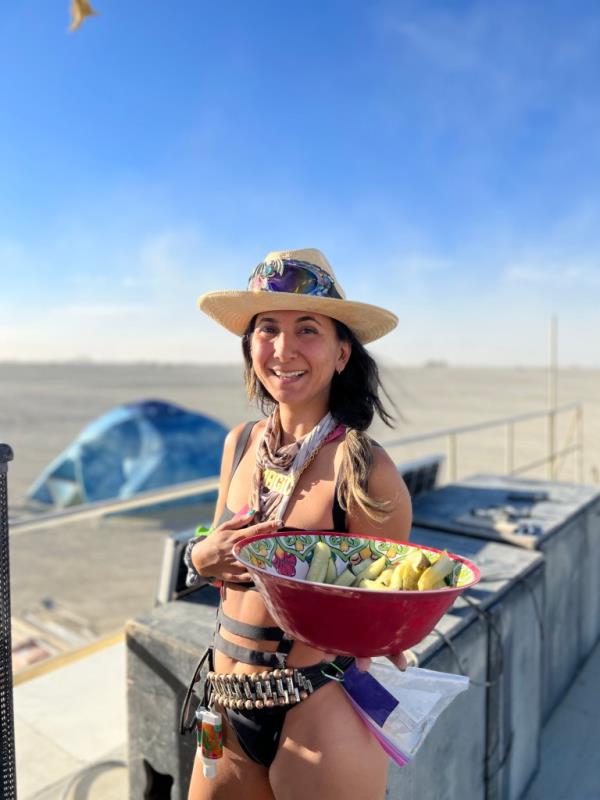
{"type": "Point", "coordinates": [278, 482]}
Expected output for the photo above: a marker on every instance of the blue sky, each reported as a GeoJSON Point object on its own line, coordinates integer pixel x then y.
{"type": "Point", "coordinates": [445, 156]}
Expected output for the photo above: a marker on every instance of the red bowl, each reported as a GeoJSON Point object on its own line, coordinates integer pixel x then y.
{"type": "Point", "coordinates": [347, 621]}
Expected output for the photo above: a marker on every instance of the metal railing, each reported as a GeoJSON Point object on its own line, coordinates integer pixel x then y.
{"type": "Point", "coordinates": [100, 508]}
{"type": "Point", "coordinates": [553, 458]}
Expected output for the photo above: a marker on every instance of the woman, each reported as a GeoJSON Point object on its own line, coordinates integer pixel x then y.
{"type": "Point", "coordinates": [306, 364]}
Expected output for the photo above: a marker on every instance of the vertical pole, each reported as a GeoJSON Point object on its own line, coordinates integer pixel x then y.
{"type": "Point", "coordinates": [552, 396]}
{"type": "Point", "coordinates": [8, 772]}
{"type": "Point", "coordinates": [579, 413]}
{"type": "Point", "coordinates": [509, 451]}
{"type": "Point", "coordinates": [452, 455]}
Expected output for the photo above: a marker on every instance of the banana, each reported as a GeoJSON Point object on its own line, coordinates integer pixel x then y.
{"type": "Point", "coordinates": [436, 573]}
{"type": "Point", "coordinates": [440, 585]}
{"type": "Point", "coordinates": [373, 570]}
{"type": "Point", "coordinates": [366, 583]}
{"type": "Point", "coordinates": [414, 572]}
{"type": "Point", "coordinates": [396, 579]}
{"type": "Point", "coordinates": [386, 576]}
{"type": "Point", "coordinates": [413, 567]}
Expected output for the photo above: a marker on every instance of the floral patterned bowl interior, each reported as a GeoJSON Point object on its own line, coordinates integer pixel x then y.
{"type": "Point", "coordinates": [290, 555]}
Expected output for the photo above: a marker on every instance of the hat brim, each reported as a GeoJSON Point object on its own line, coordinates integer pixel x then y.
{"type": "Point", "coordinates": [234, 310]}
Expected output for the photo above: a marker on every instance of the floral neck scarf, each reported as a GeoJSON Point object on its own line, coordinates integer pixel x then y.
{"type": "Point", "coordinates": [278, 467]}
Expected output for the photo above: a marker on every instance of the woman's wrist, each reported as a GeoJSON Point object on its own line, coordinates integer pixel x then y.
{"type": "Point", "coordinates": [196, 570]}
{"type": "Point", "coordinates": [196, 555]}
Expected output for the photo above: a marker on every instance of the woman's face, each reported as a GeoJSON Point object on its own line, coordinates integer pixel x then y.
{"type": "Point", "coordinates": [295, 354]}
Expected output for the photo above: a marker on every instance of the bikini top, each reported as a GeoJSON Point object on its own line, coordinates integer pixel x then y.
{"type": "Point", "coordinates": [257, 632]}
{"type": "Point", "coordinates": [337, 512]}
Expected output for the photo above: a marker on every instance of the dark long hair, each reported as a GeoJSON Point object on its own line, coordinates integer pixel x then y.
{"type": "Point", "coordinates": [353, 401]}
{"type": "Point", "coordinates": [354, 398]}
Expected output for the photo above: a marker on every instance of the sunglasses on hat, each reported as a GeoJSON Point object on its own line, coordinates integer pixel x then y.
{"type": "Point", "coordinates": [293, 277]}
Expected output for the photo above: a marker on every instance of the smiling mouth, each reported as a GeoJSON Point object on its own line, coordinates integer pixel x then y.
{"type": "Point", "coordinates": [286, 376]}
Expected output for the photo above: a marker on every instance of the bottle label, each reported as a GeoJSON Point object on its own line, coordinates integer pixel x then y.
{"type": "Point", "coordinates": [211, 740]}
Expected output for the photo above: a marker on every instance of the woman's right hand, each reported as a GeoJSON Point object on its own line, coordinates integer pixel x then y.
{"type": "Point", "coordinates": [212, 556]}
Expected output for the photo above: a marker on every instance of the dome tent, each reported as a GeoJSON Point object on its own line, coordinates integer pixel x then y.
{"type": "Point", "coordinates": [132, 448]}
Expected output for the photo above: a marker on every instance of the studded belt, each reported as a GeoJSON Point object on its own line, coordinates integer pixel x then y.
{"type": "Point", "coordinates": [279, 687]}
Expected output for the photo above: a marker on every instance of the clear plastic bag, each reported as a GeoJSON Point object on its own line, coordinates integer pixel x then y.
{"type": "Point", "coordinates": [400, 708]}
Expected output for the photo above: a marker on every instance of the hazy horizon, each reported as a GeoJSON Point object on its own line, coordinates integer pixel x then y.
{"type": "Point", "coordinates": [382, 362]}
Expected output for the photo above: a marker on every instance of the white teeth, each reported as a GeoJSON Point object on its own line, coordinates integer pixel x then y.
{"type": "Point", "coordinates": [281, 374]}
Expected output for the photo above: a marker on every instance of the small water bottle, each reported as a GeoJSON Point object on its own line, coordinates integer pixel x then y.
{"type": "Point", "coordinates": [209, 731]}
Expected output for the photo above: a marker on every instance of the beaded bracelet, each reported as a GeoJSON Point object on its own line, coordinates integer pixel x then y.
{"type": "Point", "coordinates": [193, 577]}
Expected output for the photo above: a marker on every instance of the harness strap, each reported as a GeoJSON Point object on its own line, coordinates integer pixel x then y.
{"type": "Point", "coordinates": [246, 655]}
{"type": "Point", "coordinates": [285, 644]}
{"type": "Point", "coordinates": [257, 632]}
{"type": "Point", "coordinates": [241, 446]}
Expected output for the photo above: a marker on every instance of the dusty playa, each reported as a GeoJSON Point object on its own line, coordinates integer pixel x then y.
{"type": "Point", "coordinates": [44, 406]}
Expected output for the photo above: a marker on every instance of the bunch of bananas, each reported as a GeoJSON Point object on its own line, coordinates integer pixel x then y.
{"type": "Point", "coordinates": [414, 573]}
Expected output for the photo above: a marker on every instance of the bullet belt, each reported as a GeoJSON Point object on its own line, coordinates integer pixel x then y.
{"type": "Point", "coordinates": [280, 687]}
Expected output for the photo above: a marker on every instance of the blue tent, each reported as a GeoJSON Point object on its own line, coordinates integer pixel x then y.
{"type": "Point", "coordinates": [132, 448]}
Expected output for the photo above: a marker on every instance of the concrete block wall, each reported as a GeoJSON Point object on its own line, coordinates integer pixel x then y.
{"type": "Point", "coordinates": [510, 599]}
{"type": "Point", "coordinates": [163, 648]}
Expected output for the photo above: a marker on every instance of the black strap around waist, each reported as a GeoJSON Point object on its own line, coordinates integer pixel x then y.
{"type": "Point", "coordinates": [249, 656]}
{"type": "Point", "coordinates": [257, 632]}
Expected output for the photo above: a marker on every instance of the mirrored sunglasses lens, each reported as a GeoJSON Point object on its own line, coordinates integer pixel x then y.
{"type": "Point", "coordinates": [294, 280]}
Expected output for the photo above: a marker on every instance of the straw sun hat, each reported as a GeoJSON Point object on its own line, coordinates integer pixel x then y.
{"type": "Point", "coordinates": [289, 280]}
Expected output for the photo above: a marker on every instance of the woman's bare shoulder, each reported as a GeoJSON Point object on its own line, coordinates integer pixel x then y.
{"type": "Point", "coordinates": [232, 438]}
{"type": "Point", "coordinates": [234, 434]}
{"type": "Point", "coordinates": [385, 480]}
{"type": "Point", "coordinates": [229, 445]}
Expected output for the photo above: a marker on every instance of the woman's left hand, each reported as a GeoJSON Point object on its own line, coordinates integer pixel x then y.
{"type": "Point", "coordinates": [399, 659]}
{"type": "Point", "coordinates": [363, 664]}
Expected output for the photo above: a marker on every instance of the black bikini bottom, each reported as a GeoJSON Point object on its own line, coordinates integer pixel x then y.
{"type": "Point", "coordinates": [259, 730]}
